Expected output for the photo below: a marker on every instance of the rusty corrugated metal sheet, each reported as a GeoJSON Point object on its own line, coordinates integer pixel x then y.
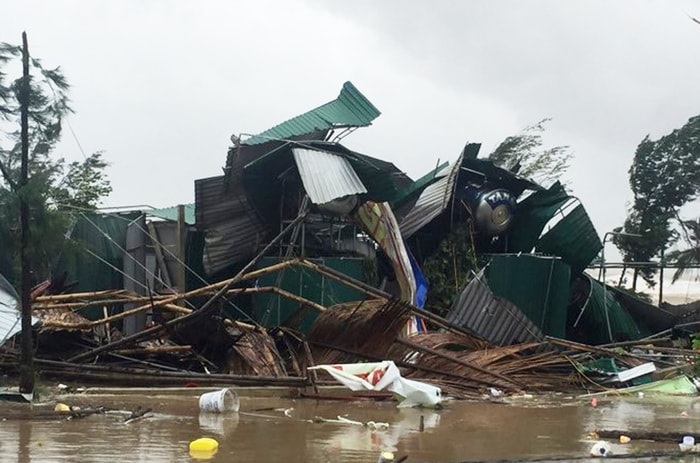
{"type": "Point", "coordinates": [233, 230]}
{"type": "Point", "coordinates": [494, 318]}
{"type": "Point", "coordinates": [326, 176]}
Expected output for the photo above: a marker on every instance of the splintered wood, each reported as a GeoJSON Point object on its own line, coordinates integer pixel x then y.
{"type": "Point", "coordinates": [257, 355]}
{"type": "Point", "coordinates": [251, 351]}
{"type": "Point", "coordinates": [187, 341]}
{"type": "Point", "coordinates": [346, 332]}
{"type": "Point", "coordinates": [462, 364]}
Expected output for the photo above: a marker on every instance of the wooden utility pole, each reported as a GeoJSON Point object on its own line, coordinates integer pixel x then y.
{"type": "Point", "coordinates": [26, 369]}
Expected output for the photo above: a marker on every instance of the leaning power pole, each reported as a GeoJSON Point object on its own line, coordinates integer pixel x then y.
{"type": "Point", "coordinates": [26, 368]}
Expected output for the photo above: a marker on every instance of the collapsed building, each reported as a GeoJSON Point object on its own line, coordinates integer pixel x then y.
{"type": "Point", "coordinates": [327, 248]}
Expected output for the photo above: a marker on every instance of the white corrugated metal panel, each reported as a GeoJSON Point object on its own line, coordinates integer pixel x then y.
{"type": "Point", "coordinates": [326, 176]}
{"type": "Point", "coordinates": [430, 203]}
{"type": "Point", "coordinates": [10, 316]}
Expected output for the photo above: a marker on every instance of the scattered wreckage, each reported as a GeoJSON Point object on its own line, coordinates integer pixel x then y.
{"type": "Point", "coordinates": [305, 254]}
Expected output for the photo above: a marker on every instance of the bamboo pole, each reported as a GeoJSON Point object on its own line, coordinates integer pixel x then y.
{"type": "Point", "coordinates": [58, 366]}
{"type": "Point", "coordinates": [183, 310]}
{"type": "Point", "coordinates": [206, 309]}
{"type": "Point", "coordinates": [209, 289]}
{"type": "Point", "coordinates": [91, 294]}
{"type": "Point", "coordinates": [149, 380]}
{"type": "Point", "coordinates": [437, 353]}
{"type": "Point", "coordinates": [374, 292]}
{"type": "Point", "coordinates": [155, 350]}
{"type": "Point", "coordinates": [158, 300]}
{"type": "Point", "coordinates": [638, 342]}
{"type": "Point", "coordinates": [586, 348]}
{"type": "Point", "coordinates": [85, 304]}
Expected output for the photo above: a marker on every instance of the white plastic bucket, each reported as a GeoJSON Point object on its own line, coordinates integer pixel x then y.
{"type": "Point", "coordinates": [223, 400]}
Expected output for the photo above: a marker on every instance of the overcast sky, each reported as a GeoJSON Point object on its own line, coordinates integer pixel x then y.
{"type": "Point", "coordinates": [160, 86]}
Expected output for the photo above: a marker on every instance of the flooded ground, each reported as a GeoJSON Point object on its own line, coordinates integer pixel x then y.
{"type": "Point", "coordinates": [285, 430]}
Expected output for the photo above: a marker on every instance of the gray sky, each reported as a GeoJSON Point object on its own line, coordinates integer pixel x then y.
{"type": "Point", "coordinates": [160, 86]}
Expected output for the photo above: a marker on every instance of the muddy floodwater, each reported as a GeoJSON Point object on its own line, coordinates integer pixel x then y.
{"type": "Point", "coordinates": [552, 428]}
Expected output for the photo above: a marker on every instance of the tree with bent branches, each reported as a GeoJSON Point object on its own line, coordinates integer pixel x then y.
{"type": "Point", "coordinates": [55, 189]}
{"type": "Point", "coordinates": [664, 177]}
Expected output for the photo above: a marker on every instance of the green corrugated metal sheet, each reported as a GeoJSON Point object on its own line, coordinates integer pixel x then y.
{"type": "Point", "coordinates": [416, 188]}
{"type": "Point", "coordinates": [273, 310]}
{"type": "Point", "coordinates": [538, 286]}
{"type": "Point", "coordinates": [573, 238]}
{"type": "Point", "coordinates": [101, 235]}
{"type": "Point", "coordinates": [350, 109]}
{"type": "Point", "coordinates": [594, 322]}
{"type": "Point", "coordinates": [532, 215]}
{"type": "Point", "coordinates": [170, 213]}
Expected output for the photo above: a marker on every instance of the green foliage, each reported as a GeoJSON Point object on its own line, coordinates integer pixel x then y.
{"type": "Point", "coordinates": [691, 255]}
{"type": "Point", "coordinates": [54, 188]}
{"type": "Point", "coordinates": [525, 150]}
{"type": "Point", "coordinates": [664, 176]}
{"type": "Point", "coordinates": [695, 345]}
{"type": "Point", "coordinates": [83, 184]}
{"type": "Point", "coordinates": [695, 342]}
{"type": "Point", "coordinates": [449, 268]}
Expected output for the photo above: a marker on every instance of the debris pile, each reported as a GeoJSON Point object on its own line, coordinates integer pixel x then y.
{"type": "Point", "coordinates": [306, 253]}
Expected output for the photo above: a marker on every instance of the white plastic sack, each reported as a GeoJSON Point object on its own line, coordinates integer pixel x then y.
{"type": "Point", "coordinates": [378, 376]}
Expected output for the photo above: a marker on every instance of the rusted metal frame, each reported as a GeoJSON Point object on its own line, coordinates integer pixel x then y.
{"type": "Point", "coordinates": [206, 309]}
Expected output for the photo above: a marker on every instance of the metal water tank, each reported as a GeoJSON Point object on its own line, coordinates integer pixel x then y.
{"type": "Point", "coordinates": [493, 210]}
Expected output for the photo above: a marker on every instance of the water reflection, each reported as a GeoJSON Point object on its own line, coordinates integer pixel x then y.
{"type": "Point", "coordinates": [373, 439]}
{"type": "Point", "coordinates": [25, 437]}
{"type": "Point", "coordinates": [263, 432]}
{"type": "Point", "coordinates": [220, 424]}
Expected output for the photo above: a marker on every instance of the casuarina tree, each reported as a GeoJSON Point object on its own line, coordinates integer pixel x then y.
{"type": "Point", "coordinates": [54, 188]}
{"type": "Point", "coordinates": [524, 154]}
{"type": "Point", "coordinates": [664, 176]}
